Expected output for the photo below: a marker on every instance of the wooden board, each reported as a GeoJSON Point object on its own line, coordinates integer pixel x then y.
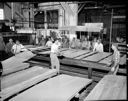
{"type": "Point", "coordinates": [69, 51]}
{"type": "Point", "coordinates": [76, 53]}
{"type": "Point", "coordinates": [59, 88]}
{"type": "Point", "coordinates": [29, 46]}
{"type": "Point", "coordinates": [106, 60]}
{"type": "Point", "coordinates": [38, 48]}
{"type": "Point", "coordinates": [111, 87]}
{"type": "Point", "coordinates": [21, 80]}
{"type": "Point", "coordinates": [17, 67]}
{"type": "Point", "coordinates": [19, 58]}
{"type": "Point", "coordinates": [46, 52]}
{"type": "Point", "coordinates": [88, 53]}
{"type": "Point", "coordinates": [25, 55]}
{"type": "Point", "coordinates": [97, 57]}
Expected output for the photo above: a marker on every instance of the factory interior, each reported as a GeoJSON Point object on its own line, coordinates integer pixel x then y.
{"type": "Point", "coordinates": [63, 51]}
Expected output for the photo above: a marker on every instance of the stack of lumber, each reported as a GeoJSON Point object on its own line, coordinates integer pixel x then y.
{"type": "Point", "coordinates": [16, 82]}
{"type": "Point", "coordinates": [59, 88]}
{"type": "Point", "coordinates": [16, 62]}
{"type": "Point", "coordinates": [111, 87]}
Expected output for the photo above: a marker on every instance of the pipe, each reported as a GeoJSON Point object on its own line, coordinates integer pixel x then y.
{"type": "Point", "coordinates": [12, 9]}
{"type": "Point", "coordinates": [110, 31]}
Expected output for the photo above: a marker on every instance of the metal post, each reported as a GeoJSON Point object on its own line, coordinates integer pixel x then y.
{"type": "Point", "coordinates": [110, 31]}
{"type": "Point", "coordinates": [12, 9]}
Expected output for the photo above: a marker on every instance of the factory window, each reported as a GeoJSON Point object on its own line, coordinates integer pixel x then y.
{"type": "Point", "coordinates": [39, 20]}
{"type": "Point", "coordinates": [52, 19]}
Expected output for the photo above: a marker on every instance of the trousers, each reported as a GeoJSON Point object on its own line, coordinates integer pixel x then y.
{"type": "Point", "coordinates": [55, 62]}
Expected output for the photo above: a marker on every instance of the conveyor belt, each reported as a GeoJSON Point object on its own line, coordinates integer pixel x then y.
{"type": "Point", "coordinates": [21, 80]}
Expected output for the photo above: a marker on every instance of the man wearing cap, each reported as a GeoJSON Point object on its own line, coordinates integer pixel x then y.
{"type": "Point", "coordinates": [115, 58]}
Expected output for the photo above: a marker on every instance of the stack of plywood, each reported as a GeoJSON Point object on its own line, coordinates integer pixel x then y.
{"type": "Point", "coordinates": [17, 75]}
{"type": "Point", "coordinates": [16, 82]}
{"type": "Point", "coordinates": [59, 88]}
{"type": "Point", "coordinates": [16, 62]}
{"type": "Point", "coordinates": [111, 87]}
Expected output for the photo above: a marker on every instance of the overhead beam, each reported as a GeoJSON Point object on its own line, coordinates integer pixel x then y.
{"type": "Point", "coordinates": [67, 8]}
{"type": "Point", "coordinates": [82, 6]}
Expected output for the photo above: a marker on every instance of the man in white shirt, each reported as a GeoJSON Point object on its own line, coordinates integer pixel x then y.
{"type": "Point", "coordinates": [49, 43]}
{"type": "Point", "coordinates": [115, 58]}
{"type": "Point", "coordinates": [98, 46]}
{"type": "Point", "coordinates": [53, 55]}
{"type": "Point", "coordinates": [17, 48]}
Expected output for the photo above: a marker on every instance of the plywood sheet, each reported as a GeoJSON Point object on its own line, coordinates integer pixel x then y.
{"type": "Point", "coordinates": [38, 48]}
{"type": "Point", "coordinates": [77, 53]}
{"type": "Point", "coordinates": [29, 46]}
{"type": "Point", "coordinates": [25, 55]}
{"type": "Point", "coordinates": [97, 57]}
{"type": "Point", "coordinates": [19, 58]}
{"type": "Point", "coordinates": [59, 88]}
{"type": "Point", "coordinates": [11, 69]}
{"type": "Point", "coordinates": [21, 80]}
{"type": "Point", "coordinates": [106, 60]}
{"type": "Point", "coordinates": [69, 52]}
{"type": "Point", "coordinates": [46, 52]}
{"type": "Point", "coordinates": [111, 87]}
{"type": "Point", "coordinates": [88, 53]}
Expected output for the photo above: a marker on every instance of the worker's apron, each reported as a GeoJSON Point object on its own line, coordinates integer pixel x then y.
{"type": "Point", "coordinates": [55, 61]}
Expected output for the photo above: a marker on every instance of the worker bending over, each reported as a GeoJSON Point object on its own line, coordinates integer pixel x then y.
{"type": "Point", "coordinates": [98, 46]}
{"type": "Point", "coordinates": [17, 48]}
{"type": "Point", "coordinates": [9, 47]}
{"type": "Point", "coordinates": [54, 55]}
{"type": "Point", "coordinates": [115, 58]}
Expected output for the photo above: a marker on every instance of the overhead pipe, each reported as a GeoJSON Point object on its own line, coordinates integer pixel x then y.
{"type": "Point", "coordinates": [110, 31]}
{"type": "Point", "coordinates": [12, 9]}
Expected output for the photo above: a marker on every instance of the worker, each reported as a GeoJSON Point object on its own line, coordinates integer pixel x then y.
{"type": "Point", "coordinates": [65, 42]}
{"type": "Point", "coordinates": [73, 43]}
{"type": "Point", "coordinates": [115, 58]}
{"type": "Point", "coordinates": [86, 44]}
{"type": "Point", "coordinates": [2, 49]}
{"type": "Point", "coordinates": [94, 42]}
{"type": "Point", "coordinates": [98, 46]}
{"type": "Point", "coordinates": [9, 47]}
{"type": "Point", "coordinates": [54, 55]}
{"type": "Point", "coordinates": [17, 48]}
{"type": "Point", "coordinates": [78, 44]}
{"type": "Point", "coordinates": [49, 42]}
{"type": "Point", "coordinates": [42, 42]}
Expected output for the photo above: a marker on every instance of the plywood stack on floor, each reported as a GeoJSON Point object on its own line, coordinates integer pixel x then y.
{"type": "Point", "coordinates": [18, 75]}
{"type": "Point", "coordinates": [17, 62]}
{"type": "Point", "coordinates": [59, 88]}
{"type": "Point", "coordinates": [21, 80]}
{"type": "Point", "coordinates": [111, 87]}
